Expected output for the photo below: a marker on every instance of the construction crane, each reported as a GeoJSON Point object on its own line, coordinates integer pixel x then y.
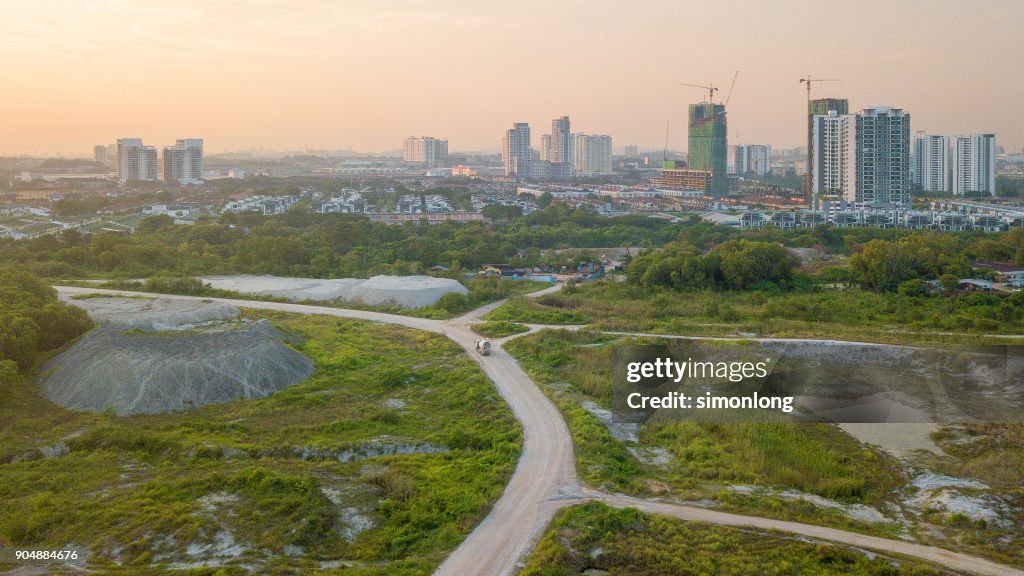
{"type": "Point", "coordinates": [664, 153]}
{"type": "Point", "coordinates": [808, 80]}
{"type": "Point", "coordinates": [731, 86]}
{"type": "Point", "coordinates": [711, 89]}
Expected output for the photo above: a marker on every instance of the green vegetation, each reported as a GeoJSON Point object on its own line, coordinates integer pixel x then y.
{"type": "Point", "coordinates": [543, 310]}
{"type": "Point", "coordinates": [736, 264]}
{"type": "Point", "coordinates": [300, 243]}
{"type": "Point", "coordinates": [818, 312]}
{"type": "Point", "coordinates": [397, 433]}
{"type": "Point", "coordinates": [992, 453]}
{"type": "Point", "coordinates": [594, 536]}
{"type": "Point", "coordinates": [814, 458]}
{"type": "Point", "coordinates": [691, 461]}
{"type": "Point", "coordinates": [499, 329]}
{"type": "Point", "coordinates": [32, 321]}
{"type": "Point", "coordinates": [482, 290]}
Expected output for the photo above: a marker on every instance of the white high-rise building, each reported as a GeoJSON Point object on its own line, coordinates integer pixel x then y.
{"type": "Point", "coordinates": [593, 154]}
{"type": "Point", "coordinates": [545, 147]}
{"type": "Point", "coordinates": [515, 150]}
{"type": "Point", "coordinates": [561, 153]}
{"type": "Point", "coordinates": [752, 158]}
{"type": "Point", "coordinates": [425, 150]}
{"type": "Point", "coordinates": [183, 162]}
{"type": "Point", "coordinates": [974, 164]}
{"type": "Point", "coordinates": [834, 146]}
{"type": "Point", "coordinates": [135, 161]}
{"type": "Point", "coordinates": [931, 162]}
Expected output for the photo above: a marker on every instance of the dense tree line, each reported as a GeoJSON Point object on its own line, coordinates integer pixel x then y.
{"type": "Point", "coordinates": [883, 266]}
{"type": "Point", "coordinates": [300, 243]}
{"type": "Point", "coordinates": [736, 265]}
{"type": "Point", "coordinates": [32, 320]}
{"type": "Point", "coordinates": [880, 260]}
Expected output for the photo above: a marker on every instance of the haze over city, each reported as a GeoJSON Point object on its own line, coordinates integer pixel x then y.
{"type": "Point", "coordinates": [364, 75]}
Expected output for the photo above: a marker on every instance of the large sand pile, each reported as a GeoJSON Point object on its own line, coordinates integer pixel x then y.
{"type": "Point", "coordinates": [400, 291]}
{"type": "Point", "coordinates": [166, 354]}
{"type": "Point", "coordinates": [129, 372]}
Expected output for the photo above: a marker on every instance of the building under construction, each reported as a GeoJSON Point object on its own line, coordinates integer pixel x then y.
{"type": "Point", "coordinates": [676, 176]}
{"type": "Point", "coordinates": [708, 145]}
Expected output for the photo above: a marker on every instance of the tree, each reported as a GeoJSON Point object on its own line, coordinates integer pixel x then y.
{"type": "Point", "coordinates": [882, 265]}
{"type": "Point", "coordinates": [949, 282]}
{"type": "Point", "coordinates": [154, 223]}
{"type": "Point", "coordinates": [544, 200]}
{"type": "Point", "coordinates": [912, 288]}
{"type": "Point", "coordinates": [745, 263]}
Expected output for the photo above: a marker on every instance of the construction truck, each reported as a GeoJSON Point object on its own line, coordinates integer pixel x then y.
{"type": "Point", "coordinates": [483, 347]}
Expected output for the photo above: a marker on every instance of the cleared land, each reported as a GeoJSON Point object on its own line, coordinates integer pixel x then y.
{"type": "Point", "coordinates": [397, 291]}
{"type": "Point", "coordinates": [544, 479]}
{"type": "Point", "coordinates": [380, 463]}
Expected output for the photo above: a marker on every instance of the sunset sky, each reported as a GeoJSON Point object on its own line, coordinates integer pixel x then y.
{"type": "Point", "coordinates": [366, 74]}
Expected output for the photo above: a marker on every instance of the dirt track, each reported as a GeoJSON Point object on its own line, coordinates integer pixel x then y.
{"type": "Point", "coordinates": [545, 478]}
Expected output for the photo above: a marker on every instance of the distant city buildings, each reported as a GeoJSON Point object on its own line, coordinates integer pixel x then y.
{"type": "Point", "coordinates": [105, 154]}
{"type": "Point", "coordinates": [425, 150]}
{"type": "Point", "coordinates": [708, 145]}
{"type": "Point", "coordinates": [974, 164]}
{"type": "Point", "coordinates": [818, 107]}
{"type": "Point", "coordinates": [560, 153]}
{"type": "Point", "coordinates": [136, 162]}
{"type": "Point", "coordinates": [863, 158]}
{"type": "Point", "coordinates": [593, 154]}
{"type": "Point", "coordinates": [833, 146]}
{"type": "Point", "coordinates": [752, 159]}
{"type": "Point", "coordinates": [515, 150]}
{"type": "Point", "coordinates": [545, 147]}
{"type": "Point", "coordinates": [883, 157]}
{"type": "Point", "coordinates": [931, 162]}
{"type": "Point", "coordinates": [183, 162]}
{"type": "Point", "coordinates": [631, 151]}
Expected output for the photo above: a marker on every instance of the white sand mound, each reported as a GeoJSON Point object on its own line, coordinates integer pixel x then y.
{"type": "Point", "coordinates": [400, 291]}
{"type": "Point", "coordinates": [404, 291]}
{"type": "Point", "coordinates": [291, 288]}
{"type": "Point", "coordinates": [155, 313]}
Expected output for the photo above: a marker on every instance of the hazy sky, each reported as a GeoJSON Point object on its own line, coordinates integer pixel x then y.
{"type": "Point", "coordinates": [367, 73]}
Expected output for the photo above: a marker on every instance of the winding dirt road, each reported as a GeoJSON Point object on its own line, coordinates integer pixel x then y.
{"type": "Point", "coordinates": [545, 477]}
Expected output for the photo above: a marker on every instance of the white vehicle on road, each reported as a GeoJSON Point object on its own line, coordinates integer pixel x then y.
{"type": "Point", "coordinates": [483, 347]}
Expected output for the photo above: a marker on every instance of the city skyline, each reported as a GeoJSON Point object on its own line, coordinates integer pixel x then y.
{"type": "Point", "coordinates": [323, 76]}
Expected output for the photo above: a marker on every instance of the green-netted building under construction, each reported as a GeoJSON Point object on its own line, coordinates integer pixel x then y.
{"type": "Point", "coordinates": [709, 148]}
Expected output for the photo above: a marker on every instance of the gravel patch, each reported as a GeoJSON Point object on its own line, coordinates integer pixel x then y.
{"type": "Point", "coordinates": [400, 291]}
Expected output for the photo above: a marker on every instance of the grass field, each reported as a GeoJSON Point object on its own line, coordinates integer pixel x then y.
{"type": "Point", "coordinates": [382, 461]}
{"type": "Point", "coordinates": [607, 541]}
{"type": "Point", "coordinates": [498, 329]}
{"type": "Point", "coordinates": [851, 314]}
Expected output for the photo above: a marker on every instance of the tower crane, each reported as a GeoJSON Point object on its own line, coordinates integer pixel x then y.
{"type": "Point", "coordinates": [711, 89]}
{"type": "Point", "coordinates": [808, 80]}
